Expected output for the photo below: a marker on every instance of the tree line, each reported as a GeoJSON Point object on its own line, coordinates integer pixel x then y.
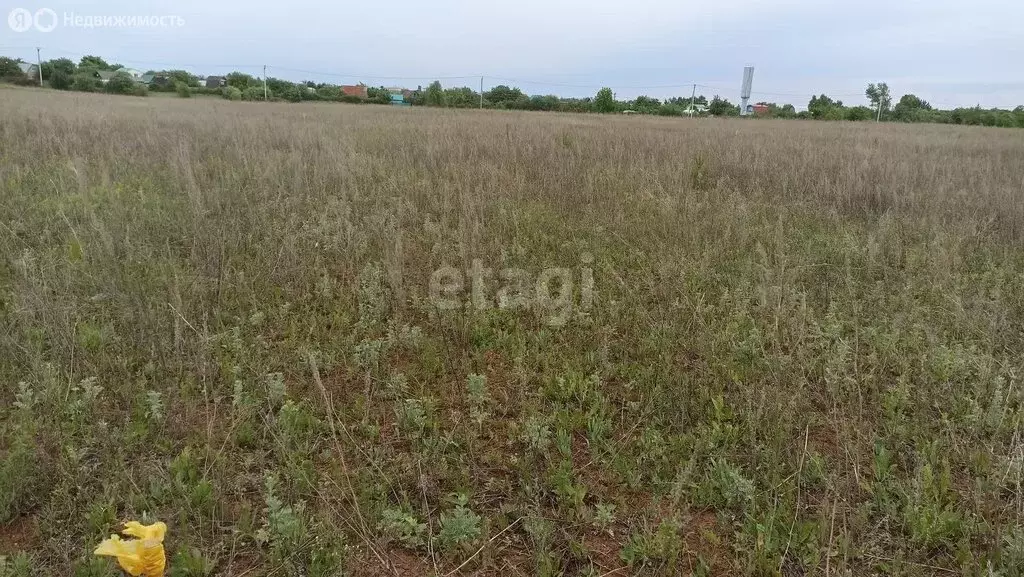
{"type": "Point", "coordinates": [65, 74]}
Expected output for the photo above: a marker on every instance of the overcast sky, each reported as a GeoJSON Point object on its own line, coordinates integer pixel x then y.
{"type": "Point", "coordinates": [952, 53]}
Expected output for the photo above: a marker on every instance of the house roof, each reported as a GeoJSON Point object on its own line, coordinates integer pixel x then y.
{"type": "Point", "coordinates": [147, 78]}
{"type": "Point", "coordinates": [107, 74]}
{"type": "Point", "coordinates": [354, 90]}
{"type": "Point", "coordinates": [26, 67]}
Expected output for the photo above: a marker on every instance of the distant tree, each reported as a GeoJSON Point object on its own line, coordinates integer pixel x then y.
{"type": "Point", "coordinates": [10, 70]}
{"type": "Point", "coordinates": [183, 90]}
{"type": "Point", "coordinates": [253, 93]}
{"type": "Point", "coordinates": [328, 92]}
{"type": "Point", "coordinates": [60, 80]}
{"type": "Point", "coordinates": [685, 102]}
{"type": "Point", "coordinates": [65, 65]}
{"type": "Point", "coordinates": [879, 96]}
{"type": "Point", "coordinates": [435, 94]}
{"type": "Point", "coordinates": [290, 92]}
{"type": "Point", "coordinates": [501, 96]}
{"type": "Point", "coordinates": [120, 83]}
{"type": "Point", "coordinates": [231, 93]}
{"type": "Point", "coordinates": [277, 85]}
{"type": "Point", "coordinates": [913, 102]}
{"type": "Point", "coordinates": [645, 104]}
{"type": "Point", "coordinates": [463, 97]}
{"type": "Point", "coordinates": [824, 108]}
{"type": "Point", "coordinates": [94, 62]}
{"type": "Point", "coordinates": [85, 80]}
{"type": "Point", "coordinates": [858, 113]}
{"type": "Point", "coordinates": [378, 95]}
{"type": "Point", "coordinates": [179, 76]}
{"type": "Point", "coordinates": [786, 111]}
{"type": "Point", "coordinates": [910, 108]}
{"type": "Point", "coordinates": [670, 110]}
{"type": "Point", "coordinates": [722, 107]}
{"type": "Point", "coordinates": [241, 81]}
{"type": "Point", "coordinates": [605, 101]}
{"type": "Point", "coordinates": [547, 103]}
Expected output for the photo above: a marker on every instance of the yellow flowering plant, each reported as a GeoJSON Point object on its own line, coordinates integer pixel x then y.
{"type": "Point", "coordinates": [142, 556]}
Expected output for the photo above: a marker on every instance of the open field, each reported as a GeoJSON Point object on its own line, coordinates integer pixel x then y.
{"type": "Point", "coordinates": [776, 347]}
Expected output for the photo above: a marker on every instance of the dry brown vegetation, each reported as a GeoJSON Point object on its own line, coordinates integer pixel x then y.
{"type": "Point", "coordinates": [803, 356]}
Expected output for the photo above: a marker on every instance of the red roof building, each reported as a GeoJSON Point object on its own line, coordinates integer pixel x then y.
{"type": "Point", "coordinates": [357, 90]}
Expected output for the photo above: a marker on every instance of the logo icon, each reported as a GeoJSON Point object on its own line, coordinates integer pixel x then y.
{"type": "Point", "coordinates": [46, 20]}
{"type": "Point", "coordinates": [20, 19]}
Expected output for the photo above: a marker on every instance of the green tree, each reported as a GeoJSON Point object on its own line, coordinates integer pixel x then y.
{"type": "Point", "coordinates": [435, 94]}
{"type": "Point", "coordinates": [378, 95]}
{"type": "Point", "coordinates": [289, 92]}
{"type": "Point", "coordinates": [824, 108]}
{"type": "Point", "coordinates": [858, 113]}
{"type": "Point", "coordinates": [604, 101]}
{"type": "Point", "coordinates": [787, 111]}
{"type": "Point", "coordinates": [10, 68]}
{"type": "Point", "coordinates": [502, 96]}
{"type": "Point", "coordinates": [546, 103]}
{"type": "Point", "coordinates": [910, 108]}
{"type": "Point", "coordinates": [60, 80]}
{"type": "Point", "coordinates": [180, 76]}
{"type": "Point", "coordinates": [94, 62]}
{"type": "Point", "coordinates": [231, 93]}
{"type": "Point", "coordinates": [685, 102]}
{"type": "Point", "coordinates": [329, 92]}
{"type": "Point", "coordinates": [183, 90]}
{"type": "Point", "coordinates": [722, 107]}
{"type": "Point", "coordinates": [278, 86]}
{"type": "Point", "coordinates": [85, 80]}
{"type": "Point", "coordinates": [879, 96]}
{"type": "Point", "coordinates": [670, 110]}
{"type": "Point", "coordinates": [463, 97]}
{"type": "Point", "coordinates": [240, 80]}
{"type": "Point", "coordinates": [120, 83]}
{"type": "Point", "coordinates": [645, 105]}
{"type": "Point", "coordinates": [51, 67]}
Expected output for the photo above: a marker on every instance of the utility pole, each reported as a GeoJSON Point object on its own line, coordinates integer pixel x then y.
{"type": "Point", "coordinates": [264, 82]}
{"type": "Point", "coordinates": [39, 64]}
{"type": "Point", "coordinates": [693, 99]}
{"type": "Point", "coordinates": [481, 92]}
{"type": "Point", "coordinates": [879, 117]}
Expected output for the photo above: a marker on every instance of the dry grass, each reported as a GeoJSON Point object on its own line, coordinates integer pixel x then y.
{"type": "Point", "coordinates": [803, 356]}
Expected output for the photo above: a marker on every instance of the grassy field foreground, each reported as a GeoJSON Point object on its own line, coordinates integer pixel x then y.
{"type": "Point", "coordinates": [765, 348]}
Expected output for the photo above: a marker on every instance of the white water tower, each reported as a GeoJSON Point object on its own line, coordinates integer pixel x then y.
{"type": "Point", "coordinates": [748, 83]}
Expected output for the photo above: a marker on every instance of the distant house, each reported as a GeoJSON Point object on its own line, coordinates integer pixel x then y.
{"type": "Point", "coordinates": [106, 75]}
{"type": "Point", "coordinates": [400, 96]}
{"type": "Point", "coordinates": [358, 90]}
{"type": "Point", "coordinates": [216, 81]}
{"type": "Point", "coordinates": [156, 79]}
{"type": "Point", "coordinates": [31, 71]}
{"type": "Point", "coordinates": [761, 110]}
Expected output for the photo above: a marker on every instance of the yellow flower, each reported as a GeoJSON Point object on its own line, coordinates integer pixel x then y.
{"type": "Point", "coordinates": [141, 556]}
